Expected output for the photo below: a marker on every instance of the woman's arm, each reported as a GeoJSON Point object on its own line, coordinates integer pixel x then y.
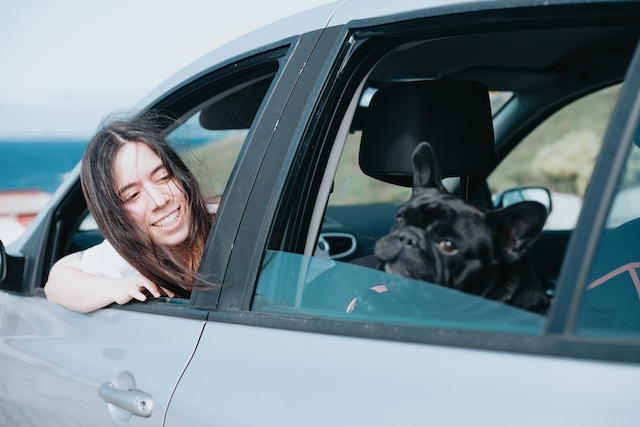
{"type": "Point", "coordinates": [76, 290]}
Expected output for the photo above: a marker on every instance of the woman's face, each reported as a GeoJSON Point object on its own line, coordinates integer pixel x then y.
{"type": "Point", "coordinates": [152, 196]}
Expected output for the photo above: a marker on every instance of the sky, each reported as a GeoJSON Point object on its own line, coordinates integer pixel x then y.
{"type": "Point", "coordinates": [65, 65]}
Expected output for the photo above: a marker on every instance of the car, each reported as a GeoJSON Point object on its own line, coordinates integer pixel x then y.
{"type": "Point", "coordinates": [289, 124]}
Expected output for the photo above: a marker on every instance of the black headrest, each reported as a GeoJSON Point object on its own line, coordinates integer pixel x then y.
{"type": "Point", "coordinates": [453, 116]}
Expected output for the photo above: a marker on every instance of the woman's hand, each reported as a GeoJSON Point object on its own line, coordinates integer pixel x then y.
{"type": "Point", "coordinates": [70, 287]}
{"type": "Point", "coordinates": [138, 288]}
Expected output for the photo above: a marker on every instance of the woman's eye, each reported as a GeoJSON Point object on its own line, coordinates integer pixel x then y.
{"type": "Point", "coordinates": [128, 197]}
{"type": "Point", "coordinates": [163, 175]}
{"type": "Point", "coordinates": [448, 246]}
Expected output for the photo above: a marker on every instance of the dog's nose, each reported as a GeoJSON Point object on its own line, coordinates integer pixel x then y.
{"type": "Point", "coordinates": [388, 248]}
{"type": "Point", "coordinates": [409, 237]}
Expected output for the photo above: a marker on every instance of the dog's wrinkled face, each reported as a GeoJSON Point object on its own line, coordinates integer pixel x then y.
{"type": "Point", "coordinates": [437, 238]}
{"type": "Point", "coordinates": [441, 239]}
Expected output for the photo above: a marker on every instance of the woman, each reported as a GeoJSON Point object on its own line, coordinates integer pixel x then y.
{"type": "Point", "coordinates": [149, 208]}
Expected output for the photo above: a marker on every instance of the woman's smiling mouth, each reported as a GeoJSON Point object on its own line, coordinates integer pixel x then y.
{"type": "Point", "coordinates": [168, 220]}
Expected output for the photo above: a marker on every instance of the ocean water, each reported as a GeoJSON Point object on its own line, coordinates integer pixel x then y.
{"type": "Point", "coordinates": [42, 165]}
{"type": "Point", "coordinates": [37, 165]}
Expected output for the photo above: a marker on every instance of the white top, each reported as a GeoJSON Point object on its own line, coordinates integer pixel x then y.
{"type": "Point", "coordinates": [103, 260]}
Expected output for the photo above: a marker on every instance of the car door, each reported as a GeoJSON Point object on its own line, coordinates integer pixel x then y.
{"type": "Point", "coordinates": [63, 368]}
{"type": "Point", "coordinates": [120, 365]}
{"type": "Point", "coordinates": [468, 360]}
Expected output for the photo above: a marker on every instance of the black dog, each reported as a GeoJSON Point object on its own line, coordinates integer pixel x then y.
{"type": "Point", "coordinates": [441, 239]}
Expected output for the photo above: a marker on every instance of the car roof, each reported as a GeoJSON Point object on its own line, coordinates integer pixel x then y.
{"type": "Point", "coordinates": [257, 40]}
{"type": "Point", "coordinates": [329, 15]}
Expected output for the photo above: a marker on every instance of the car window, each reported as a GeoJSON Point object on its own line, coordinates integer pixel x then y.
{"type": "Point", "coordinates": [559, 155]}
{"type": "Point", "coordinates": [611, 302]}
{"type": "Point", "coordinates": [325, 284]}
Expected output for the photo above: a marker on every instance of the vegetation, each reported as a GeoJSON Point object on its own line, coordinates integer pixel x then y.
{"type": "Point", "coordinates": [213, 163]}
{"type": "Point", "coordinates": [560, 154]}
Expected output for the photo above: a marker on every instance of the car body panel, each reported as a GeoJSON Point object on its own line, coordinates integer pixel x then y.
{"type": "Point", "coordinates": [52, 360]}
{"type": "Point", "coordinates": [274, 377]}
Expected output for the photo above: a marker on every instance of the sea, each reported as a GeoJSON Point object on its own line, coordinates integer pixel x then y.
{"type": "Point", "coordinates": [37, 165]}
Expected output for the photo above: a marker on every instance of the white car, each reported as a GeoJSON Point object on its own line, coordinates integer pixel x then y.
{"type": "Point", "coordinates": [277, 122]}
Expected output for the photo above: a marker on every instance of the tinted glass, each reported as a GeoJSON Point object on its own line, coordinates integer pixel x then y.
{"type": "Point", "coordinates": [611, 302]}
{"type": "Point", "coordinates": [322, 287]}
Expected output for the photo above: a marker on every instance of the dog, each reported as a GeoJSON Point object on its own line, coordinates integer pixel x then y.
{"type": "Point", "coordinates": [441, 239]}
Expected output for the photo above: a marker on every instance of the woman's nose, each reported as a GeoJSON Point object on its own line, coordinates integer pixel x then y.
{"type": "Point", "coordinates": [159, 195]}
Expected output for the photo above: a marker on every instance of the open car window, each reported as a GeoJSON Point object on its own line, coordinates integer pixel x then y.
{"type": "Point", "coordinates": [336, 281]}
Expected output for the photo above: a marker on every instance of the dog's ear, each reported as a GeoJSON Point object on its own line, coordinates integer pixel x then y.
{"type": "Point", "coordinates": [425, 169]}
{"type": "Point", "coordinates": [515, 228]}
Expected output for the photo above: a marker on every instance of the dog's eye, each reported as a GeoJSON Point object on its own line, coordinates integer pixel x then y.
{"type": "Point", "coordinates": [448, 246]}
{"type": "Point", "coordinates": [399, 218]}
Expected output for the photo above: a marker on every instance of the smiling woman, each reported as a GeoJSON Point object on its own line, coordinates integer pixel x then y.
{"type": "Point", "coordinates": [152, 213]}
{"type": "Point", "coordinates": [151, 195]}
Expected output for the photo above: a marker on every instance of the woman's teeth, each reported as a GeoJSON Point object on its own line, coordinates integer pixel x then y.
{"type": "Point", "coordinates": [167, 220]}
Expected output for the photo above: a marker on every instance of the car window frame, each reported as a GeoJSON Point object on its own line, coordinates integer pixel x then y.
{"type": "Point", "coordinates": [229, 246]}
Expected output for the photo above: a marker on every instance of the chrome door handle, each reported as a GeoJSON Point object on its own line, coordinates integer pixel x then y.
{"type": "Point", "coordinates": [122, 394]}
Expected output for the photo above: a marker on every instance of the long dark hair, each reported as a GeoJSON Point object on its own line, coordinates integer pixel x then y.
{"type": "Point", "coordinates": [170, 267]}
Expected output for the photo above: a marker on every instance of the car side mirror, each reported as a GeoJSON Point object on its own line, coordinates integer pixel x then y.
{"type": "Point", "coordinates": [523, 194]}
{"type": "Point", "coordinates": [3, 262]}
{"type": "Point", "coordinates": [11, 271]}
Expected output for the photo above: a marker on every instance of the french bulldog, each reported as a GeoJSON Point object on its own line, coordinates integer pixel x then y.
{"type": "Point", "coordinates": [440, 238]}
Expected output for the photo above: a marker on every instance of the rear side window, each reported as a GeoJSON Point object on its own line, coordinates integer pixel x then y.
{"type": "Point", "coordinates": [611, 302]}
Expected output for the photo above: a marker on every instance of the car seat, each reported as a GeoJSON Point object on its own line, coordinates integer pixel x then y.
{"type": "Point", "coordinates": [453, 116]}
